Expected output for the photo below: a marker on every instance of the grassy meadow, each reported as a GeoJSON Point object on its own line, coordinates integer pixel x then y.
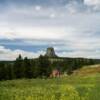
{"type": "Point", "coordinates": [66, 88]}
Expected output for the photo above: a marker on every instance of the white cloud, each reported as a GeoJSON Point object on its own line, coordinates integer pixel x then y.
{"type": "Point", "coordinates": [75, 54]}
{"type": "Point", "coordinates": [8, 54]}
{"type": "Point", "coordinates": [72, 8]}
{"type": "Point", "coordinates": [92, 2]}
{"type": "Point", "coordinates": [33, 33]}
{"type": "Point", "coordinates": [38, 8]}
{"type": "Point", "coordinates": [52, 15]}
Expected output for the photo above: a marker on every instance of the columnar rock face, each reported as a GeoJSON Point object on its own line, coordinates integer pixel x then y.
{"type": "Point", "coordinates": [50, 52]}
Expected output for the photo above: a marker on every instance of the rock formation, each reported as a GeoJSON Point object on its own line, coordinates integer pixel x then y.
{"type": "Point", "coordinates": [50, 52]}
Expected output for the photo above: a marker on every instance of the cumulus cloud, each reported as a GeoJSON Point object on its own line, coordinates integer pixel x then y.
{"type": "Point", "coordinates": [37, 8]}
{"type": "Point", "coordinates": [93, 5]}
{"type": "Point", "coordinates": [8, 54]}
{"type": "Point", "coordinates": [92, 2]}
{"type": "Point", "coordinates": [33, 33]}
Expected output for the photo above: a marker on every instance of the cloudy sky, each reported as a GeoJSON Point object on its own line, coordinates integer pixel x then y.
{"type": "Point", "coordinates": [28, 27]}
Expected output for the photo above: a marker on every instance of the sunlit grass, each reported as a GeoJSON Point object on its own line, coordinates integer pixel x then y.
{"type": "Point", "coordinates": [69, 88]}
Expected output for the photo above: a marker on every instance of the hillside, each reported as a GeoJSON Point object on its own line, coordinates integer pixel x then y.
{"type": "Point", "coordinates": [87, 70]}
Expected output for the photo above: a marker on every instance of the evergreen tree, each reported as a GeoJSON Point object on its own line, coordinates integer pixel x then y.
{"type": "Point", "coordinates": [43, 66]}
{"type": "Point", "coordinates": [11, 73]}
{"type": "Point", "coordinates": [2, 69]}
{"type": "Point", "coordinates": [18, 68]}
{"type": "Point", "coordinates": [27, 68]}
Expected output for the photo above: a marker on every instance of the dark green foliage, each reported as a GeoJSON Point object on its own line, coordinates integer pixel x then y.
{"type": "Point", "coordinates": [19, 68]}
{"type": "Point", "coordinates": [27, 68]}
{"type": "Point", "coordinates": [2, 70]}
{"type": "Point", "coordinates": [43, 66]}
{"type": "Point", "coordinates": [40, 67]}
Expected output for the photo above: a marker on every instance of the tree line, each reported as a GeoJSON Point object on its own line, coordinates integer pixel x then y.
{"type": "Point", "coordinates": [40, 67]}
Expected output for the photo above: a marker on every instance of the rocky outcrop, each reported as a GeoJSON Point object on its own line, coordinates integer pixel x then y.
{"type": "Point", "coordinates": [50, 52]}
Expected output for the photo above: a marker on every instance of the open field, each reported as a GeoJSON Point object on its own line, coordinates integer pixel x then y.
{"type": "Point", "coordinates": [69, 88]}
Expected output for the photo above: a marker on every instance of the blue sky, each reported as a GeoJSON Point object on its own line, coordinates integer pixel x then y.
{"type": "Point", "coordinates": [28, 27]}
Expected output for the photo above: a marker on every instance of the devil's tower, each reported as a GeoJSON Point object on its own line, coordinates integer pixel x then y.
{"type": "Point", "coordinates": [50, 52]}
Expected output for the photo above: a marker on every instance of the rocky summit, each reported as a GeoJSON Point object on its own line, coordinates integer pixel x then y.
{"type": "Point", "coordinates": [50, 52]}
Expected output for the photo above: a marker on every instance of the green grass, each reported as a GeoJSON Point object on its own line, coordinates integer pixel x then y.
{"type": "Point", "coordinates": [69, 88]}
